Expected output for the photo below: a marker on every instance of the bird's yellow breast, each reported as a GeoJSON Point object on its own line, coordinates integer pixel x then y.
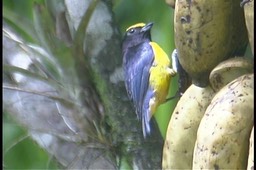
{"type": "Point", "coordinates": [160, 76]}
{"type": "Point", "coordinates": [161, 58]}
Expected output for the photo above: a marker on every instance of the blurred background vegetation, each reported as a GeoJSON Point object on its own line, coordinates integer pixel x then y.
{"type": "Point", "coordinates": [19, 151]}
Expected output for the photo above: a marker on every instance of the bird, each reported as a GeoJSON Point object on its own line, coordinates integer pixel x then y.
{"type": "Point", "coordinates": [147, 72]}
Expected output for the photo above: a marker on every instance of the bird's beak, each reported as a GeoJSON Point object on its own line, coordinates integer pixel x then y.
{"type": "Point", "coordinates": [147, 27]}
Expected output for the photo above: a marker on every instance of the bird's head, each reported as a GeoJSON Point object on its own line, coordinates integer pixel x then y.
{"type": "Point", "coordinates": [137, 34]}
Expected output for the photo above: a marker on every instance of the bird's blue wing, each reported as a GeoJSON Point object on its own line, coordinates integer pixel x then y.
{"type": "Point", "coordinates": [146, 111]}
{"type": "Point", "coordinates": [137, 74]}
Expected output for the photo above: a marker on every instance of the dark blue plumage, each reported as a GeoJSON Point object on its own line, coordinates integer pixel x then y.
{"type": "Point", "coordinates": [138, 57]}
{"type": "Point", "coordinates": [137, 76]}
{"type": "Point", "coordinates": [146, 72]}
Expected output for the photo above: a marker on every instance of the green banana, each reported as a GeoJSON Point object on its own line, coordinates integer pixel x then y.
{"type": "Point", "coordinates": [249, 20]}
{"type": "Point", "coordinates": [250, 164]}
{"type": "Point", "coordinates": [206, 33]}
{"type": "Point", "coordinates": [228, 70]}
{"type": "Point", "coordinates": [223, 134]}
{"type": "Point", "coordinates": [182, 128]}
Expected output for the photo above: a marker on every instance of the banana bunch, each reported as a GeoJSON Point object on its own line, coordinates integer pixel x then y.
{"type": "Point", "coordinates": [210, 126]}
{"type": "Point", "coordinates": [206, 33]}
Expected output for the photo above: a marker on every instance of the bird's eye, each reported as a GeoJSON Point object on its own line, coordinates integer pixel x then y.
{"type": "Point", "coordinates": [131, 31]}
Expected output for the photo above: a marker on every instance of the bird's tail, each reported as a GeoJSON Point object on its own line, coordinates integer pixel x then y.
{"type": "Point", "coordinates": [146, 113]}
{"type": "Point", "coordinates": [145, 125]}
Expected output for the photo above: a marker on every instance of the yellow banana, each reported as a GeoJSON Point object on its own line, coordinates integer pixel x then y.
{"type": "Point", "coordinates": [206, 33]}
{"type": "Point", "coordinates": [182, 128]}
{"type": "Point", "coordinates": [224, 131]}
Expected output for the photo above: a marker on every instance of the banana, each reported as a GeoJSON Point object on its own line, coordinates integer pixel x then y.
{"type": "Point", "coordinates": [249, 20]}
{"type": "Point", "coordinates": [224, 131]}
{"type": "Point", "coordinates": [228, 70]}
{"type": "Point", "coordinates": [182, 128]}
{"type": "Point", "coordinates": [206, 33]}
{"type": "Point", "coordinates": [250, 165]}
